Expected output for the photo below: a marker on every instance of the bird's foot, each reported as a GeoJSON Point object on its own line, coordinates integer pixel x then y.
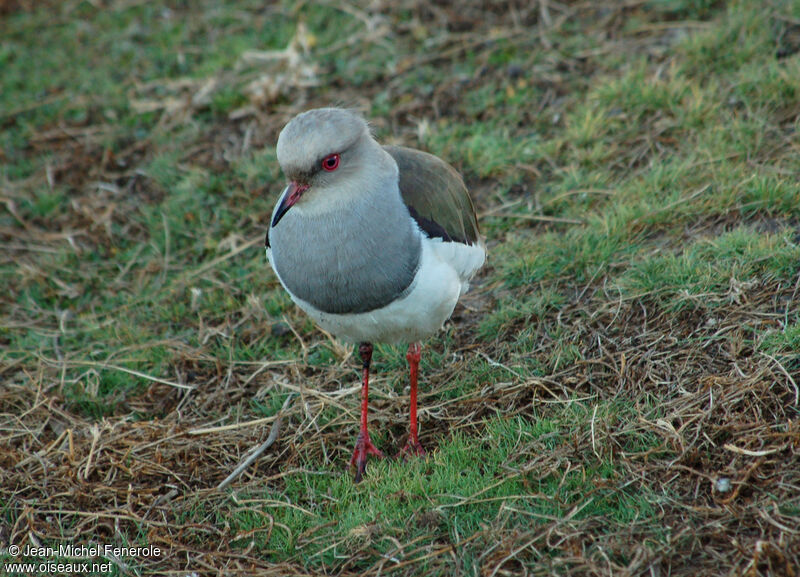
{"type": "Point", "coordinates": [412, 448]}
{"type": "Point", "coordinates": [363, 448]}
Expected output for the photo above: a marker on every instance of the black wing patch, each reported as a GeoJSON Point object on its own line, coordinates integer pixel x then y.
{"type": "Point", "coordinates": [430, 227]}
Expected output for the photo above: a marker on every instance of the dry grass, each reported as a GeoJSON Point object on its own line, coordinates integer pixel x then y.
{"type": "Point", "coordinates": [733, 417]}
{"type": "Point", "coordinates": [676, 448]}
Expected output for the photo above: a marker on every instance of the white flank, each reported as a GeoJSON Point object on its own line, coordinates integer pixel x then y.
{"type": "Point", "coordinates": [443, 276]}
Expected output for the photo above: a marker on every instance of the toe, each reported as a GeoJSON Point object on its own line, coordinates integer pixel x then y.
{"type": "Point", "coordinates": [362, 466]}
{"type": "Point", "coordinates": [412, 449]}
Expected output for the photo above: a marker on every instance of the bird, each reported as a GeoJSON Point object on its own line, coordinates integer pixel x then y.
{"type": "Point", "coordinates": [375, 243]}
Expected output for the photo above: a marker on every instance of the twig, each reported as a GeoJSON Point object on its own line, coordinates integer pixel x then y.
{"type": "Point", "coordinates": [495, 363]}
{"type": "Point", "coordinates": [788, 376]}
{"type": "Point", "coordinates": [129, 371]}
{"type": "Point", "coordinates": [749, 453]}
{"type": "Point", "coordinates": [211, 264]}
{"type": "Point", "coordinates": [273, 436]}
{"type": "Point", "coordinates": [33, 105]}
{"type": "Point", "coordinates": [223, 428]}
{"type": "Point", "coordinates": [95, 437]}
{"type": "Point", "coordinates": [671, 205]}
{"type": "Point", "coordinates": [541, 218]}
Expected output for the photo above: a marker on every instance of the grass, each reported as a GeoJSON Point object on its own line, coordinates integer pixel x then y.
{"type": "Point", "coordinates": [633, 339]}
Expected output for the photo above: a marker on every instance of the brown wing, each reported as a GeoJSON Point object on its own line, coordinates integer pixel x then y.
{"type": "Point", "coordinates": [435, 195]}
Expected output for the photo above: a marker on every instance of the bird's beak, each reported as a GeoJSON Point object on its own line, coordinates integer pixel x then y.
{"type": "Point", "coordinates": [289, 197]}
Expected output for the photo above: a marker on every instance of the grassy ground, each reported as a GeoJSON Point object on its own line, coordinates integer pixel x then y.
{"type": "Point", "coordinates": [617, 395]}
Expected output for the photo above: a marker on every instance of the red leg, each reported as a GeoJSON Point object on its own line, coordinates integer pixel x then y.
{"type": "Point", "coordinates": [413, 446]}
{"type": "Point", "coordinates": [364, 445]}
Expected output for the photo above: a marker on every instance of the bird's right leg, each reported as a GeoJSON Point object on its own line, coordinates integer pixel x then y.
{"type": "Point", "coordinates": [364, 445]}
{"type": "Point", "coordinates": [413, 446]}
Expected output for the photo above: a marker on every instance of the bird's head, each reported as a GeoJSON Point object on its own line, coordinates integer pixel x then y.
{"type": "Point", "coordinates": [323, 153]}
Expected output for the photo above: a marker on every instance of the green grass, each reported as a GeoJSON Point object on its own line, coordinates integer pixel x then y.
{"type": "Point", "coordinates": [460, 489]}
{"type": "Point", "coordinates": [636, 174]}
{"type": "Point", "coordinates": [713, 266]}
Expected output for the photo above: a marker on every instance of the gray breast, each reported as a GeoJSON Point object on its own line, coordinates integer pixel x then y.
{"type": "Point", "coordinates": [351, 262]}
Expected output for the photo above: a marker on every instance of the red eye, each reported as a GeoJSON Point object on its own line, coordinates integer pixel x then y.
{"type": "Point", "coordinates": [330, 163]}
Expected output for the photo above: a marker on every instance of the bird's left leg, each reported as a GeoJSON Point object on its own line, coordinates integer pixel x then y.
{"type": "Point", "coordinates": [364, 445]}
{"type": "Point", "coordinates": [413, 446]}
